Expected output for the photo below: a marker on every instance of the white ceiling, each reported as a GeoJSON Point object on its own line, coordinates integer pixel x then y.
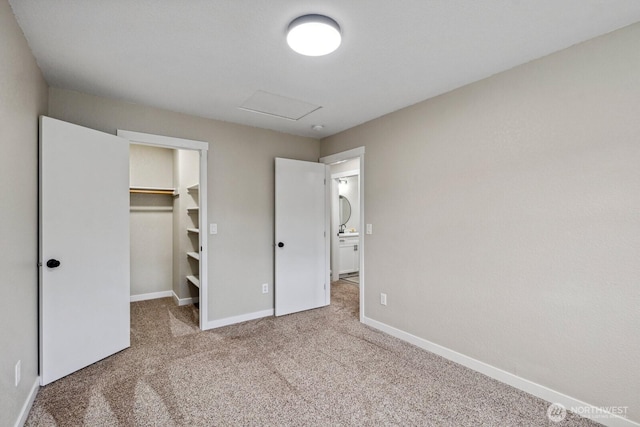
{"type": "Point", "coordinates": [207, 57]}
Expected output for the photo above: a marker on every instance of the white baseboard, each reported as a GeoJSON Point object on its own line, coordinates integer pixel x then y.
{"type": "Point", "coordinates": [597, 414]}
{"type": "Point", "coordinates": [24, 412]}
{"type": "Point", "coordinates": [184, 301]}
{"type": "Point", "coordinates": [152, 295]}
{"type": "Point", "coordinates": [212, 324]}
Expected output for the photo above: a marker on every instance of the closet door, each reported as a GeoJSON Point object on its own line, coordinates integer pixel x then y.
{"type": "Point", "coordinates": [84, 247]}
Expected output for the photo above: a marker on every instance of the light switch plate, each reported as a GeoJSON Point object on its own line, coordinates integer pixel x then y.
{"type": "Point", "coordinates": [369, 229]}
{"type": "Point", "coordinates": [18, 372]}
{"type": "Point", "coordinates": [213, 228]}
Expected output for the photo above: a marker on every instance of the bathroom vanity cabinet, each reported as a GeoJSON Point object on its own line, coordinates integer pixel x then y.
{"type": "Point", "coordinates": [349, 254]}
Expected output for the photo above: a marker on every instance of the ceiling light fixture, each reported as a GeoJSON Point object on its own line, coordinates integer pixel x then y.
{"type": "Point", "coordinates": [314, 35]}
{"type": "Point", "coordinates": [317, 128]}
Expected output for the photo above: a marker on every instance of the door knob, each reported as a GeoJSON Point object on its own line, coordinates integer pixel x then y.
{"type": "Point", "coordinates": [53, 263]}
{"type": "Point", "coordinates": [280, 245]}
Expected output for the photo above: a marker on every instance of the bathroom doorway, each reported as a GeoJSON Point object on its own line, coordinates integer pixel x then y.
{"type": "Point", "coordinates": [345, 221]}
{"type": "Point", "coordinates": [347, 228]}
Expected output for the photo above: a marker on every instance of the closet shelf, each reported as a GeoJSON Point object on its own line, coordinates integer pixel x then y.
{"type": "Point", "coordinates": [194, 255]}
{"type": "Point", "coordinates": [194, 280]}
{"type": "Point", "coordinates": [195, 187]}
{"type": "Point", "coordinates": [151, 209]}
{"type": "Point", "coordinates": [193, 230]}
{"type": "Point", "coordinates": [193, 210]}
{"type": "Point", "coordinates": [153, 190]}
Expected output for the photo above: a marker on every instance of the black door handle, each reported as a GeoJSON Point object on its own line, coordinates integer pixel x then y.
{"type": "Point", "coordinates": [53, 263]}
{"type": "Point", "coordinates": [280, 245]}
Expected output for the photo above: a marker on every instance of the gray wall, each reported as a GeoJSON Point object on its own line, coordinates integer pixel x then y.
{"type": "Point", "coordinates": [23, 97]}
{"type": "Point", "coordinates": [519, 196]}
{"type": "Point", "coordinates": [150, 166]}
{"type": "Point", "coordinates": [240, 188]}
{"type": "Point", "coordinates": [151, 220]}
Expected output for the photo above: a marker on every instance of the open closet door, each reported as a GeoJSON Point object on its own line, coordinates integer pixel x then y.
{"type": "Point", "coordinates": [301, 276]}
{"type": "Point", "coordinates": [84, 247]}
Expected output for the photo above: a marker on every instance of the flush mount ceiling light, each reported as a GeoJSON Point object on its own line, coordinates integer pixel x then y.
{"type": "Point", "coordinates": [314, 35]}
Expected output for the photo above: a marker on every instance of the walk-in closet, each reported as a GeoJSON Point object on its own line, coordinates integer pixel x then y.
{"type": "Point", "coordinates": [164, 227]}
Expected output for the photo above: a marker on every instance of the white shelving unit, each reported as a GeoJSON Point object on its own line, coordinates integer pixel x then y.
{"type": "Point", "coordinates": [194, 281]}
{"type": "Point", "coordinates": [193, 212]}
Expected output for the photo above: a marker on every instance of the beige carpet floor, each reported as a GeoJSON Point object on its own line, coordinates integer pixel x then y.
{"type": "Point", "coordinates": [320, 367]}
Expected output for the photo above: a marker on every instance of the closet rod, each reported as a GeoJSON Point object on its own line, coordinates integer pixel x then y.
{"type": "Point", "coordinates": [163, 191]}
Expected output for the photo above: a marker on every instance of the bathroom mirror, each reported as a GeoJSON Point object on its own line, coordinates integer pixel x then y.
{"type": "Point", "coordinates": [345, 211]}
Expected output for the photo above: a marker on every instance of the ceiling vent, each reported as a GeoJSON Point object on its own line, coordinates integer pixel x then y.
{"type": "Point", "coordinates": [278, 106]}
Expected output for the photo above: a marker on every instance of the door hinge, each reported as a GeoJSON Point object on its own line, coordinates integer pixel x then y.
{"type": "Point", "coordinates": [325, 286]}
{"type": "Point", "coordinates": [325, 181]}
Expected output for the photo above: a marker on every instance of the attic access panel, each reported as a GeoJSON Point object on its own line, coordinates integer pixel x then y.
{"type": "Point", "coordinates": [278, 106]}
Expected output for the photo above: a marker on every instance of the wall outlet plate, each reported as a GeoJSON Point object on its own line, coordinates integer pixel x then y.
{"type": "Point", "coordinates": [383, 299]}
{"type": "Point", "coordinates": [369, 229]}
{"type": "Point", "coordinates": [265, 288]}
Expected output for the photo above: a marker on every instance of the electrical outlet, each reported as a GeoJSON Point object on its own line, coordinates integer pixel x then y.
{"type": "Point", "coordinates": [369, 229]}
{"type": "Point", "coordinates": [383, 299]}
{"type": "Point", "coordinates": [265, 288]}
{"type": "Point", "coordinates": [18, 368]}
{"type": "Point", "coordinates": [213, 228]}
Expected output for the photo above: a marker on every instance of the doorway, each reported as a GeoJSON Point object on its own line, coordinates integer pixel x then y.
{"type": "Point", "coordinates": [186, 197]}
{"type": "Point", "coordinates": [346, 210]}
{"type": "Point", "coordinates": [163, 213]}
{"type": "Point", "coordinates": [345, 221]}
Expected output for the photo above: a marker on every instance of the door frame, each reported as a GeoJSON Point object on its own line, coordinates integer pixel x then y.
{"type": "Point", "coordinates": [203, 148]}
{"type": "Point", "coordinates": [337, 158]}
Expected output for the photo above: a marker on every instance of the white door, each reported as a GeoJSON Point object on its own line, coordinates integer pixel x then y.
{"type": "Point", "coordinates": [302, 274]}
{"type": "Point", "coordinates": [84, 247]}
